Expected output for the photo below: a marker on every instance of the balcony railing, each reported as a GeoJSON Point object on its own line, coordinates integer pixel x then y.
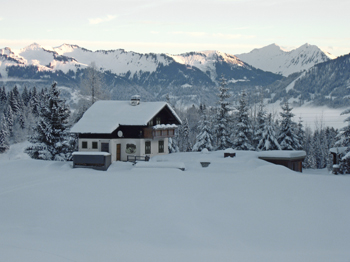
{"type": "Point", "coordinates": [159, 131]}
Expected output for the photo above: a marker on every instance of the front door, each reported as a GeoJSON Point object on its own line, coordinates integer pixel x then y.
{"type": "Point", "coordinates": [118, 152]}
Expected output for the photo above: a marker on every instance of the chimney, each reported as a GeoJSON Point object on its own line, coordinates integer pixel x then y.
{"type": "Point", "coordinates": [135, 100]}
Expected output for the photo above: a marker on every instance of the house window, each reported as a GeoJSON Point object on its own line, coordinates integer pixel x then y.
{"type": "Point", "coordinates": [148, 147]}
{"type": "Point", "coordinates": [105, 147]}
{"type": "Point", "coordinates": [150, 123]}
{"type": "Point", "coordinates": [84, 144]}
{"type": "Point", "coordinates": [157, 120]}
{"type": "Point", "coordinates": [161, 146]}
{"type": "Point", "coordinates": [94, 145]}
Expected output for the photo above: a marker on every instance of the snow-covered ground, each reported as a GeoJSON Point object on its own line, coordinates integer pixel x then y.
{"type": "Point", "coordinates": [237, 209]}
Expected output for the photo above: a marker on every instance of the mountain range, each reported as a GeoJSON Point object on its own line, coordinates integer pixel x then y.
{"type": "Point", "coordinates": [189, 78]}
{"type": "Point", "coordinates": [274, 58]}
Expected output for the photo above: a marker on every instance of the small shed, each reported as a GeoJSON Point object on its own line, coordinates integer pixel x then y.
{"type": "Point", "coordinates": [289, 158]}
{"type": "Point", "coordinates": [336, 152]}
{"type": "Point", "coordinates": [95, 160]}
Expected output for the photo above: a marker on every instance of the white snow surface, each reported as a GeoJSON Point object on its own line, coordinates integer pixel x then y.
{"type": "Point", "coordinates": [206, 60]}
{"type": "Point", "coordinates": [237, 209]}
{"type": "Point", "coordinates": [282, 154]}
{"type": "Point", "coordinates": [275, 59]}
{"type": "Point", "coordinates": [95, 153]}
{"type": "Point", "coordinates": [117, 61]}
{"type": "Point", "coordinates": [103, 117]}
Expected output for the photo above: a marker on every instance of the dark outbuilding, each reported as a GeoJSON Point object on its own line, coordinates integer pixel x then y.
{"type": "Point", "coordinates": [291, 159]}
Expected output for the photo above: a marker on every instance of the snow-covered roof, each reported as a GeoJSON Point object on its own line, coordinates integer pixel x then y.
{"type": "Point", "coordinates": [103, 117]}
{"type": "Point", "coordinates": [338, 150]}
{"type": "Point", "coordinates": [282, 154]}
{"type": "Point", "coordinates": [90, 153]}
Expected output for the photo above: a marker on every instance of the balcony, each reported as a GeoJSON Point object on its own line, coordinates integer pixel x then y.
{"type": "Point", "coordinates": [159, 131]}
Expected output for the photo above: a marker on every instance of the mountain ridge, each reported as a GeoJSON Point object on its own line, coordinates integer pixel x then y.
{"type": "Point", "coordinates": [274, 58]}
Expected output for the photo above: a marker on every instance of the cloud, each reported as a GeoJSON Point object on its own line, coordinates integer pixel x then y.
{"type": "Point", "coordinates": [1, 18]}
{"type": "Point", "coordinates": [232, 36]}
{"type": "Point", "coordinates": [95, 21]}
{"type": "Point", "coordinates": [193, 34]}
{"type": "Point", "coordinates": [215, 35]}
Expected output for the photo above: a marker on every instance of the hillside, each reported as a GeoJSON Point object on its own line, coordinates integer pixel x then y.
{"type": "Point", "coordinates": [240, 209]}
{"type": "Point", "coordinates": [324, 84]}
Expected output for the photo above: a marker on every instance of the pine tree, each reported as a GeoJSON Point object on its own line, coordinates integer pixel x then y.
{"type": "Point", "coordinates": [13, 102]}
{"type": "Point", "coordinates": [244, 131]}
{"type": "Point", "coordinates": [4, 135]}
{"type": "Point", "coordinates": [344, 136]}
{"type": "Point", "coordinates": [172, 145]}
{"type": "Point", "coordinates": [261, 124]}
{"type": "Point", "coordinates": [34, 103]}
{"type": "Point", "coordinates": [3, 99]}
{"type": "Point", "coordinates": [9, 118]}
{"type": "Point", "coordinates": [51, 139]}
{"type": "Point", "coordinates": [222, 117]}
{"type": "Point", "coordinates": [287, 139]}
{"type": "Point", "coordinates": [268, 139]}
{"type": "Point", "coordinates": [205, 138]}
{"type": "Point", "coordinates": [25, 96]}
{"type": "Point", "coordinates": [187, 147]}
{"type": "Point", "coordinates": [300, 134]}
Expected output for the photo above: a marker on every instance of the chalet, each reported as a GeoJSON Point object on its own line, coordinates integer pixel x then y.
{"type": "Point", "coordinates": [126, 129]}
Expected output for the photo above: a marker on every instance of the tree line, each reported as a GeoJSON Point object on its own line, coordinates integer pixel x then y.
{"type": "Point", "coordinates": [251, 127]}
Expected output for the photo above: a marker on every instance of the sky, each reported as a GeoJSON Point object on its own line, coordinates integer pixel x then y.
{"type": "Point", "coordinates": [176, 26]}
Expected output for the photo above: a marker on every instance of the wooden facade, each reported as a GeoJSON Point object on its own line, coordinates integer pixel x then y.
{"type": "Point", "coordinates": [292, 162]}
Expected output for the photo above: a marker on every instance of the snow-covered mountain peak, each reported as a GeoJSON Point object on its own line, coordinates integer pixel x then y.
{"type": "Point", "coordinates": [6, 51]}
{"type": "Point", "coordinates": [33, 46]}
{"type": "Point", "coordinates": [65, 48]}
{"type": "Point", "coordinates": [272, 48]}
{"type": "Point", "coordinates": [206, 60]}
{"type": "Point", "coordinates": [275, 59]}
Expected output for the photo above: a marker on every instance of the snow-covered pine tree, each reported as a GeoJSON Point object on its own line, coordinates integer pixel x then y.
{"type": "Point", "coordinates": [260, 124]}
{"type": "Point", "coordinates": [268, 139]}
{"type": "Point", "coordinates": [287, 138]}
{"type": "Point", "coordinates": [51, 139]}
{"type": "Point", "coordinates": [186, 146]}
{"type": "Point", "coordinates": [25, 96]}
{"type": "Point", "coordinates": [300, 134]}
{"type": "Point", "coordinates": [244, 133]}
{"type": "Point", "coordinates": [3, 99]}
{"type": "Point", "coordinates": [172, 145]}
{"type": "Point", "coordinates": [310, 160]}
{"type": "Point", "coordinates": [344, 140]}
{"type": "Point", "coordinates": [222, 133]}
{"type": "Point", "coordinates": [13, 102]}
{"type": "Point", "coordinates": [9, 118]}
{"type": "Point", "coordinates": [34, 103]}
{"type": "Point", "coordinates": [4, 135]}
{"type": "Point", "coordinates": [205, 137]}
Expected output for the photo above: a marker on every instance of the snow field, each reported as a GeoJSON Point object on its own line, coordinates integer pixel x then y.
{"type": "Point", "coordinates": [237, 209]}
